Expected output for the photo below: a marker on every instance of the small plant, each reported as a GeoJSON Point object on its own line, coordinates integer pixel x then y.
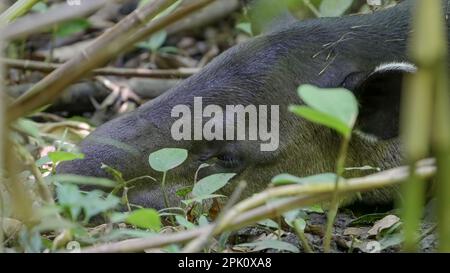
{"type": "Point", "coordinates": [165, 160]}
{"type": "Point", "coordinates": [156, 41]}
{"type": "Point", "coordinates": [336, 109]}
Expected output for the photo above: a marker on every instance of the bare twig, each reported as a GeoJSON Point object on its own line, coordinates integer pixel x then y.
{"type": "Point", "coordinates": [138, 245]}
{"type": "Point", "coordinates": [18, 9]}
{"type": "Point", "coordinates": [32, 23]}
{"type": "Point", "coordinates": [107, 71]}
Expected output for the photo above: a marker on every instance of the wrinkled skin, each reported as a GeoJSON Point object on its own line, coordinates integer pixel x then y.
{"type": "Point", "coordinates": [265, 71]}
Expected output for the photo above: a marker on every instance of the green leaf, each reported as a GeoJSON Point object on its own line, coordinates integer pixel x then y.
{"type": "Point", "coordinates": [31, 241]}
{"type": "Point", "coordinates": [300, 223]}
{"type": "Point", "coordinates": [27, 126]}
{"type": "Point", "coordinates": [92, 203]}
{"type": "Point", "coordinates": [145, 219]}
{"type": "Point", "coordinates": [338, 102]}
{"type": "Point", "coordinates": [245, 27]}
{"type": "Point", "coordinates": [203, 221]}
{"type": "Point", "coordinates": [317, 208]}
{"type": "Point", "coordinates": [211, 184]}
{"type": "Point", "coordinates": [287, 179]}
{"type": "Point", "coordinates": [143, 2]}
{"type": "Point", "coordinates": [183, 222]}
{"type": "Point", "coordinates": [72, 27]}
{"type": "Point", "coordinates": [118, 217]}
{"type": "Point", "coordinates": [167, 159]}
{"type": "Point", "coordinates": [157, 40]}
{"type": "Point", "coordinates": [173, 249]}
{"type": "Point", "coordinates": [291, 216]}
{"type": "Point", "coordinates": [83, 180]}
{"type": "Point", "coordinates": [321, 118]}
{"type": "Point", "coordinates": [184, 191]}
{"type": "Point", "coordinates": [269, 223]}
{"type": "Point", "coordinates": [391, 240]}
{"type": "Point", "coordinates": [169, 50]}
{"type": "Point", "coordinates": [57, 157]}
{"type": "Point", "coordinates": [116, 174]}
{"type": "Point", "coordinates": [40, 7]}
{"type": "Point", "coordinates": [368, 219]}
{"type": "Point", "coordinates": [335, 108]}
{"type": "Point", "coordinates": [43, 161]}
{"type": "Point", "coordinates": [334, 8]}
{"type": "Point", "coordinates": [68, 197]}
{"type": "Point", "coordinates": [271, 244]}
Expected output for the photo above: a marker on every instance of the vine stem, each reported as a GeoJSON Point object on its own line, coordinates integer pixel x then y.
{"type": "Point", "coordinates": [163, 188]}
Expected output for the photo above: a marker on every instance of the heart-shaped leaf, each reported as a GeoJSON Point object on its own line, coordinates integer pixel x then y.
{"type": "Point", "coordinates": [334, 108]}
{"type": "Point", "coordinates": [64, 156]}
{"type": "Point", "coordinates": [145, 219]}
{"type": "Point", "coordinates": [167, 159]}
{"type": "Point", "coordinates": [211, 184]}
{"type": "Point", "coordinates": [334, 8]}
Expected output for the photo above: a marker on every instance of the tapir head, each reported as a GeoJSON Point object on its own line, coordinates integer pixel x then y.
{"type": "Point", "coordinates": [365, 54]}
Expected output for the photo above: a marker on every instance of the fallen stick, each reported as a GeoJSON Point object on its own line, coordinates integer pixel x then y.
{"type": "Point", "coordinates": [61, 13]}
{"type": "Point", "coordinates": [180, 73]}
{"type": "Point", "coordinates": [76, 99]}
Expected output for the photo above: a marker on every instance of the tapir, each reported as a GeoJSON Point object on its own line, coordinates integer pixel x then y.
{"type": "Point", "coordinates": [366, 54]}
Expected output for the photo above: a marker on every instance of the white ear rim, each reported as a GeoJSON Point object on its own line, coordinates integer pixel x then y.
{"type": "Point", "coordinates": [396, 66]}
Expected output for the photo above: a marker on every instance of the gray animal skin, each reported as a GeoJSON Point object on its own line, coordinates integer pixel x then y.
{"type": "Point", "coordinates": [329, 53]}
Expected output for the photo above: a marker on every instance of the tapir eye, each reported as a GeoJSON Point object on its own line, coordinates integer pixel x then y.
{"type": "Point", "coordinates": [229, 161]}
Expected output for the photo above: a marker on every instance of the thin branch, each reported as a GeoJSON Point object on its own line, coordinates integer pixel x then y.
{"type": "Point", "coordinates": [138, 245]}
{"type": "Point", "coordinates": [33, 23]}
{"type": "Point", "coordinates": [18, 9]}
{"type": "Point", "coordinates": [107, 71]}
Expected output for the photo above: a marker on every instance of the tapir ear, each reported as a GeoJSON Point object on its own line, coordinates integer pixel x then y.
{"type": "Point", "coordinates": [379, 96]}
